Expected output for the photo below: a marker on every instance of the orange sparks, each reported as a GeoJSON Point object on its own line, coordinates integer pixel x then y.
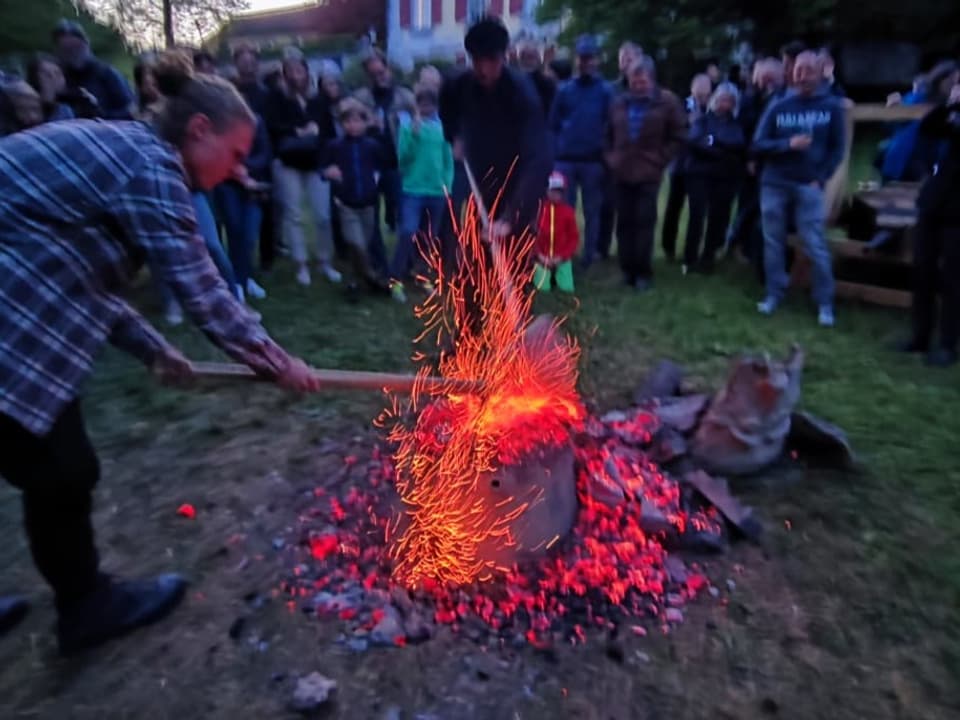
{"type": "Point", "coordinates": [527, 372]}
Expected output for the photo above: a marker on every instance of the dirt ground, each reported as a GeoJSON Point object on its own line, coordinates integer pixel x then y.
{"type": "Point", "coordinates": [807, 627]}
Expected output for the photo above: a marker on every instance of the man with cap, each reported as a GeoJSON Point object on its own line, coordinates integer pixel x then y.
{"type": "Point", "coordinates": [578, 123]}
{"type": "Point", "coordinates": [494, 119]}
{"type": "Point", "coordinates": [94, 89]}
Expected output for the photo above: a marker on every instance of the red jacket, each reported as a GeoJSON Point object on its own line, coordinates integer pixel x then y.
{"type": "Point", "coordinates": [558, 235]}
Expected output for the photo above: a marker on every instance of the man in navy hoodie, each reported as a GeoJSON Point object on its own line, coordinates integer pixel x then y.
{"type": "Point", "coordinates": [801, 142]}
{"type": "Point", "coordinates": [578, 122]}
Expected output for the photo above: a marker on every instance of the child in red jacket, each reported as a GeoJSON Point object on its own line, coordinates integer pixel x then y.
{"type": "Point", "coordinates": [557, 238]}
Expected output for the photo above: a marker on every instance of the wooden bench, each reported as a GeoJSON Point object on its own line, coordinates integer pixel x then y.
{"type": "Point", "coordinates": [893, 207]}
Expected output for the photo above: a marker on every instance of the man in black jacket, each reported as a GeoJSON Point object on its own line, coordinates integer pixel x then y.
{"type": "Point", "coordinates": [494, 119]}
{"type": "Point", "coordinates": [94, 89]}
{"type": "Point", "coordinates": [936, 252]}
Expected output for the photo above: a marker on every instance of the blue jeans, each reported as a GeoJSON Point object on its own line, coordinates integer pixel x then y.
{"type": "Point", "coordinates": [241, 216]}
{"type": "Point", "coordinates": [412, 208]}
{"type": "Point", "coordinates": [591, 179]}
{"type": "Point", "coordinates": [389, 200]}
{"type": "Point", "coordinates": [806, 202]}
{"type": "Point", "coordinates": [207, 226]}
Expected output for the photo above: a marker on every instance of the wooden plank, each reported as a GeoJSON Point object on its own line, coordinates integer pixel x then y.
{"type": "Point", "coordinates": [873, 294]}
{"type": "Point", "coordinates": [835, 191]}
{"type": "Point", "coordinates": [878, 112]}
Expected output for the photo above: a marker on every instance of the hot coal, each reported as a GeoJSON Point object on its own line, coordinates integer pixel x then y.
{"type": "Point", "coordinates": [611, 570]}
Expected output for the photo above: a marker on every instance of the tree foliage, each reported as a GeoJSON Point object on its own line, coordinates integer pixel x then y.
{"type": "Point", "coordinates": [684, 32]}
{"type": "Point", "coordinates": [27, 31]}
{"type": "Point", "coordinates": [142, 20]}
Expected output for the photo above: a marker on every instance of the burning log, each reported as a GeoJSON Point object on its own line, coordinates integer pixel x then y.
{"type": "Point", "coordinates": [487, 477]}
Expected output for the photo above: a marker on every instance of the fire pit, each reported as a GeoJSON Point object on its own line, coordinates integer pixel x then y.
{"type": "Point", "coordinates": [509, 513]}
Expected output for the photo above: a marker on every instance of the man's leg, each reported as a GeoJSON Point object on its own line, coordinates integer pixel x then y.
{"type": "Point", "coordinates": [720, 203]}
{"type": "Point", "coordinates": [926, 277]}
{"type": "Point", "coordinates": [774, 203]}
{"type": "Point", "coordinates": [208, 229]}
{"type": "Point", "coordinates": [230, 201]}
{"type": "Point", "coordinates": [591, 184]}
{"type": "Point", "coordinates": [812, 228]}
{"type": "Point", "coordinates": [376, 248]}
{"type": "Point", "coordinates": [627, 199]}
{"type": "Point", "coordinates": [697, 194]}
{"type": "Point", "coordinates": [608, 212]}
{"type": "Point", "coordinates": [410, 209]}
{"type": "Point", "coordinates": [290, 192]}
{"type": "Point", "coordinates": [318, 194]}
{"type": "Point", "coordinates": [950, 288]}
{"type": "Point", "coordinates": [646, 228]}
{"type": "Point", "coordinates": [56, 474]}
{"type": "Point", "coordinates": [671, 216]}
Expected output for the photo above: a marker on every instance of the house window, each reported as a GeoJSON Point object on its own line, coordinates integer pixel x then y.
{"type": "Point", "coordinates": [422, 19]}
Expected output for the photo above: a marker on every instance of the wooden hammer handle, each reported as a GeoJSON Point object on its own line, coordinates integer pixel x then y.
{"type": "Point", "coordinates": [343, 379]}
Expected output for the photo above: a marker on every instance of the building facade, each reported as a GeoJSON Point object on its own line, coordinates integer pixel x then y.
{"type": "Point", "coordinates": [433, 29]}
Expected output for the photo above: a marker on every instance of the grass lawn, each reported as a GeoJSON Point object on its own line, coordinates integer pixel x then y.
{"type": "Point", "coordinates": [848, 610]}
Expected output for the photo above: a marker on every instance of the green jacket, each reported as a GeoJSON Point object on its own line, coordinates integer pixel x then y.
{"type": "Point", "coordinates": [426, 160]}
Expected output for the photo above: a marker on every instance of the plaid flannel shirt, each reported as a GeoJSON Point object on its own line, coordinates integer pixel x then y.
{"type": "Point", "coordinates": [83, 204]}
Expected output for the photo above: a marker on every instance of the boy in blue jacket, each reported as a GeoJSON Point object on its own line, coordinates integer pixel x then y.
{"type": "Point", "coordinates": [353, 164]}
{"type": "Point", "coordinates": [801, 141]}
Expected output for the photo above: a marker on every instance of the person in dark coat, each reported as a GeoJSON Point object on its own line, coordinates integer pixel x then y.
{"type": "Point", "coordinates": [745, 235]}
{"type": "Point", "coordinates": [936, 253]}
{"type": "Point", "coordinates": [494, 119]}
{"type": "Point", "coordinates": [696, 105]}
{"type": "Point", "coordinates": [94, 89]}
{"type": "Point", "coordinates": [647, 129]}
{"type": "Point", "coordinates": [246, 60]}
{"type": "Point", "coordinates": [715, 166]}
{"type": "Point", "coordinates": [628, 53]}
{"type": "Point", "coordinates": [531, 62]}
{"type": "Point", "coordinates": [300, 124]}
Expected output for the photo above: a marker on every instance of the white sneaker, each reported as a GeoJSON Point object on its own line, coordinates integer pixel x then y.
{"type": "Point", "coordinates": [254, 290]}
{"type": "Point", "coordinates": [767, 307]}
{"type": "Point", "coordinates": [173, 314]}
{"type": "Point", "coordinates": [303, 275]}
{"type": "Point", "coordinates": [825, 316]}
{"type": "Point", "coordinates": [331, 273]}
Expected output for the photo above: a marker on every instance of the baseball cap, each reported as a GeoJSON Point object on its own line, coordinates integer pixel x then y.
{"type": "Point", "coordinates": [556, 181]}
{"type": "Point", "coordinates": [69, 27]}
{"type": "Point", "coordinates": [587, 45]}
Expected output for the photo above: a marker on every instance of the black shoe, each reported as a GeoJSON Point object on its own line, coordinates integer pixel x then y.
{"type": "Point", "coordinates": [942, 358]}
{"type": "Point", "coordinates": [913, 345]}
{"type": "Point", "coordinates": [352, 293]}
{"type": "Point", "coordinates": [704, 267]}
{"type": "Point", "coordinates": [13, 609]}
{"type": "Point", "coordinates": [116, 608]}
{"type": "Point", "coordinates": [642, 285]}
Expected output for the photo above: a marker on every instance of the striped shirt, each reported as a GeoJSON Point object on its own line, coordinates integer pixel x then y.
{"type": "Point", "coordinates": [82, 206]}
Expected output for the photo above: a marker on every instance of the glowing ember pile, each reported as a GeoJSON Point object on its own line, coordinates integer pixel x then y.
{"type": "Point", "coordinates": [404, 548]}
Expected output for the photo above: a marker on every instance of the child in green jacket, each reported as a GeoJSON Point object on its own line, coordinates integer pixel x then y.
{"type": "Point", "coordinates": [426, 171]}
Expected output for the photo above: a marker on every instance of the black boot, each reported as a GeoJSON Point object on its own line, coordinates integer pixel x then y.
{"type": "Point", "coordinates": [942, 357]}
{"type": "Point", "coordinates": [116, 608]}
{"type": "Point", "coordinates": [12, 610]}
{"type": "Point", "coordinates": [913, 345]}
